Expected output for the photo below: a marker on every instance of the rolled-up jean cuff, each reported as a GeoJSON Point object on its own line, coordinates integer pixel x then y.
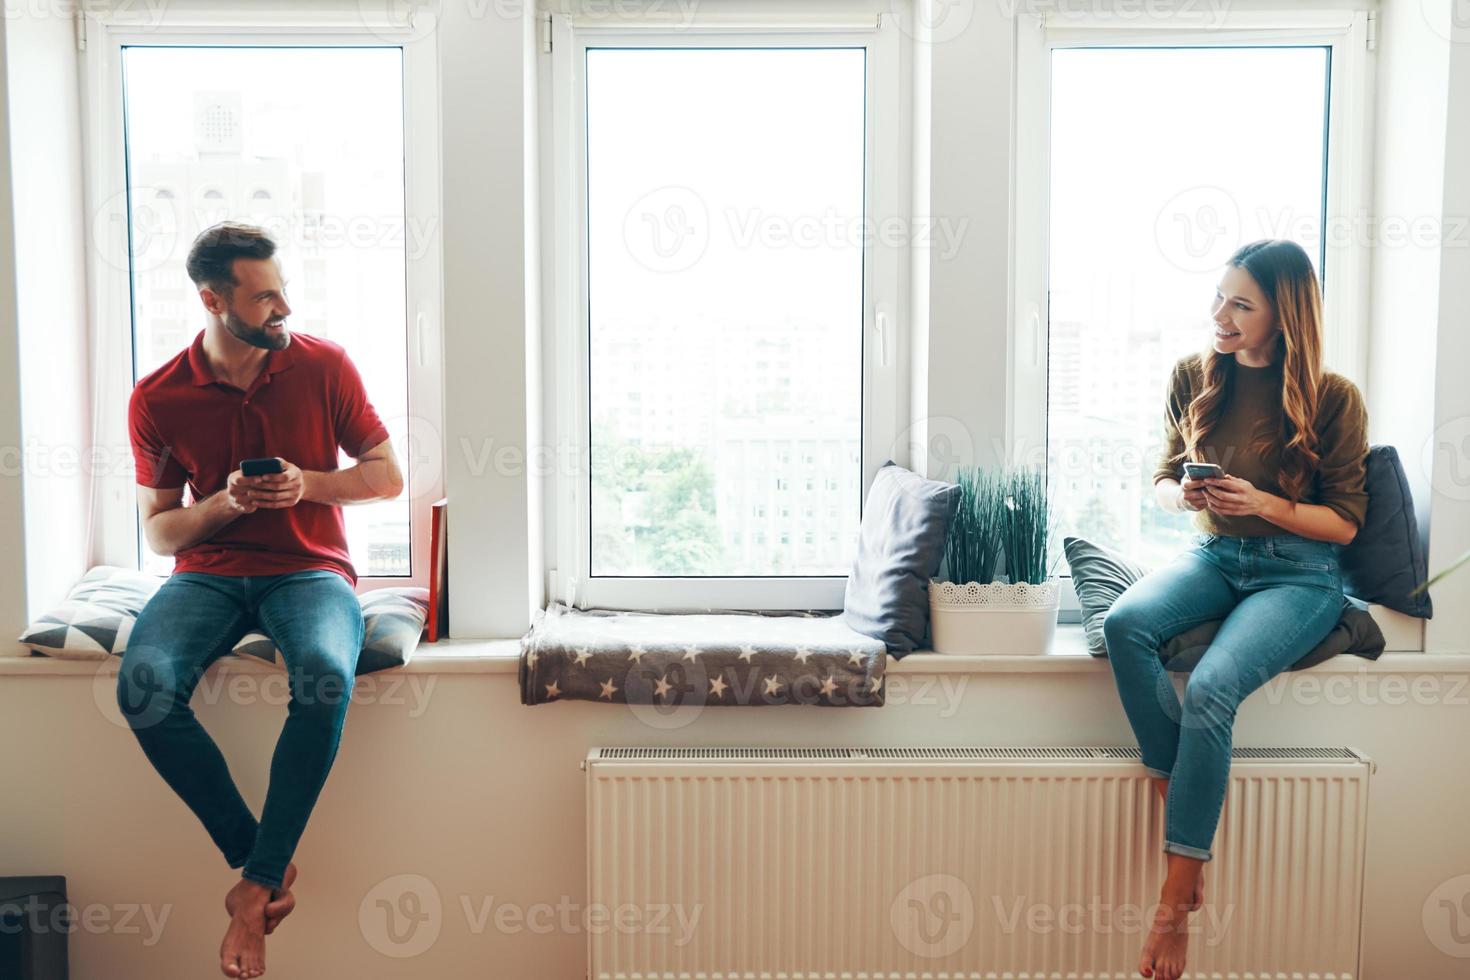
{"type": "Point", "coordinates": [260, 879]}
{"type": "Point", "coordinates": [1158, 773]}
{"type": "Point", "coordinates": [1184, 850]}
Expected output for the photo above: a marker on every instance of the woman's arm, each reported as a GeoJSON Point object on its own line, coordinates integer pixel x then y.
{"type": "Point", "coordinates": [1233, 497]}
{"type": "Point", "coordinates": [1180, 498]}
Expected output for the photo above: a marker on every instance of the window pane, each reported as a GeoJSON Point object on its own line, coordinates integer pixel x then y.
{"type": "Point", "coordinates": [1163, 162]}
{"type": "Point", "coordinates": [725, 276]}
{"type": "Point", "coordinates": [307, 142]}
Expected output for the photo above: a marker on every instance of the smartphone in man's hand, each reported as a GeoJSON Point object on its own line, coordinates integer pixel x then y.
{"type": "Point", "coordinates": [260, 466]}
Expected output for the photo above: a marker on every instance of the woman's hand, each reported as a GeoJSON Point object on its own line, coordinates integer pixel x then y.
{"type": "Point", "coordinates": [1191, 494]}
{"type": "Point", "coordinates": [1230, 496]}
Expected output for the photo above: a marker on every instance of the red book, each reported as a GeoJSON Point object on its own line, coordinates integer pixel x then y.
{"type": "Point", "coordinates": [438, 622]}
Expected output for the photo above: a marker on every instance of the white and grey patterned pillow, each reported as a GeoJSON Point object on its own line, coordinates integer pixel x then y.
{"type": "Point", "coordinates": [393, 621]}
{"type": "Point", "coordinates": [95, 619]}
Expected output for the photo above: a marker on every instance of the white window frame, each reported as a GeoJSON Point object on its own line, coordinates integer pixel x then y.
{"type": "Point", "coordinates": [569, 31]}
{"type": "Point", "coordinates": [103, 33]}
{"type": "Point", "coordinates": [1349, 33]}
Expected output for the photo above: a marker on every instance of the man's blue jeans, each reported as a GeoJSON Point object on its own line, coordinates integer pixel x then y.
{"type": "Point", "coordinates": [316, 622]}
{"type": "Point", "coordinates": [1279, 596]}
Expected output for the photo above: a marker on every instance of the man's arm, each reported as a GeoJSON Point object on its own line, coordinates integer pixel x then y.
{"type": "Point", "coordinates": [170, 527]}
{"type": "Point", "coordinates": [376, 476]}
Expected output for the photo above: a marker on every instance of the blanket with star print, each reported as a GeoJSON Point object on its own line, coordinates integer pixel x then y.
{"type": "Point", "coordinates": [687, 661]}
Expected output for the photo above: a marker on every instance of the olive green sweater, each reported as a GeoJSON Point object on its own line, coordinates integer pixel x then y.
{"type": "Point", "coordinates": [1342, 434]}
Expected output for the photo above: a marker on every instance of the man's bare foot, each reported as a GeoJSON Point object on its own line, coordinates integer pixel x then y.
{"type": "Point", "coordinates": [1164, 951]}
{"type": "Point", "coordinates": [282, 902]}
{"type": "Point", "coordinates": [242, 952]}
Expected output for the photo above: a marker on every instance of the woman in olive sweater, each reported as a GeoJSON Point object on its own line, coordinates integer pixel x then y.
{"type": "Point", "coordinates": [1291, 439]}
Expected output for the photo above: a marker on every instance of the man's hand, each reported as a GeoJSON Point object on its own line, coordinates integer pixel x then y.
{"type": "Point", "coordinates": [237, 492]}
{"type": "Point", "coordinates": [275, 491]}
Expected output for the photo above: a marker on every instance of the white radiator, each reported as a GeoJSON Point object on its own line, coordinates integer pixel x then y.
{"type": "Point", "coordinates": [796, 863]}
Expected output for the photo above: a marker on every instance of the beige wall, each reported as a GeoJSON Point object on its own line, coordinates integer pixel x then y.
{"type": "Point", "coordinates": [449, 777]}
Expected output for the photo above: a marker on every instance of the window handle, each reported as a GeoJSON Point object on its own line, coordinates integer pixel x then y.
{"type": "Point", "coordinates": [881, 325]}
{"type": "Point", "coordinates": [1033, 320]}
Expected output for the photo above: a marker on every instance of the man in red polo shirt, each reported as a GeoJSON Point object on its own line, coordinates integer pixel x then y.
{"type": "Point", "coordinates": [268, 549]}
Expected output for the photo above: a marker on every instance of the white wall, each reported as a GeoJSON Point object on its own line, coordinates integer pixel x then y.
{"type": "Point", "coordinates": [50, 263]}
{"type": "Point", "coordinates": [459, 783]}
{"type": "Point", "coordinates": [1409, 182]}
{"type": "Point", "coordinates": [12, 562]}
{"type": "Point", "coordinates": [959, 401]}
{"type": "Point", "coordinates": [1450, 474]}
{"type": "Point", "coordinates": [483, 48]}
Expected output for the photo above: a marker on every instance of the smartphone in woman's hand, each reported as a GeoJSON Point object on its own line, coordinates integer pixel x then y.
{"type": "Point", "coordinates": [1203, 471]}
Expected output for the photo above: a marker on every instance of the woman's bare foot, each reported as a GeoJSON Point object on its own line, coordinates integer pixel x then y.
{"type": "Point", "coordinates": [1164, 950]}
{"type": "Point", "coordinates": [1196, 899]}
{"type": "Point", "coordinates": [242, 952]}
{"type": "Point", "coordinates": [282, 902]}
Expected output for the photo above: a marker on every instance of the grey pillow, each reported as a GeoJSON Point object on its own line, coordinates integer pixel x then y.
{"type": "Point", "coordinates": [1356, 633]}
{"type": "Point", "coordinates": [95, 619]}
{"type": "Point", "coordinates": [1100, 575]}
{"type": "Point", "coordinates": [1386, 560]}
{"type": "Point", "coordinates": [900, 547]}
{"type": "Point", "coordinates": [393, 620]}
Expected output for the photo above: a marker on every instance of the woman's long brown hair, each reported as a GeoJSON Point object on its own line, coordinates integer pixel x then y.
{"type": "Point", "coordinates": [1284, 273]}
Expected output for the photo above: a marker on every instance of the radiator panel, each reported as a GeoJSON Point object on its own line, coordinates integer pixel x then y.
{"type": "Point", "coordinates": [960, 863]}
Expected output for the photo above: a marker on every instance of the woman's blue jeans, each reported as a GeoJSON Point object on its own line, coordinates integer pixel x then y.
{"type": "Point", "coordinates": [1279, 596]}
{"type": "Point", "coordinates": [316, 622]}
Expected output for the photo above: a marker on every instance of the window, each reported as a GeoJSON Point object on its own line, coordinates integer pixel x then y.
{"type": "Point", "coordinates": [1146, 186]}
{"type": "Point", "coordinates": [1133, 270]}
{"type": "Point", "coordinates": [689, 276]}
{"type": "Point", "coordinates": [727, 271]}
{"type": "Point", "coordinates": [313, 137]}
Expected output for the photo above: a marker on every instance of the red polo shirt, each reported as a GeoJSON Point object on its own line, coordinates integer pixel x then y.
{"type": "Point", "coordinates": [187, 426]}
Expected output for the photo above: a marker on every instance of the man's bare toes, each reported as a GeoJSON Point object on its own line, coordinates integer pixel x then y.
{"type": "Point", "coordinates": [242, 952]}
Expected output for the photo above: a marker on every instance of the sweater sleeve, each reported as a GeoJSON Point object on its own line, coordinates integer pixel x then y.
{"type": "Point", "coordinates": [1176, 405]}
{"type": "Point", "coordinates": [1343, 443]}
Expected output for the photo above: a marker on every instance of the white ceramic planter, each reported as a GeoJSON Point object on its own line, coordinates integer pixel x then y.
{"type": "Point", "coordinates": [997, 619]}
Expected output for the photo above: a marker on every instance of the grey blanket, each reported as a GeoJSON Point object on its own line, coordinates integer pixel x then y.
{"type": "Point", "coordinates": [701, 659]}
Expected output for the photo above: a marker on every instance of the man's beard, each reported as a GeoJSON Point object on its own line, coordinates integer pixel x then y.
{"type": "Point", "coordinates": [257, 336]}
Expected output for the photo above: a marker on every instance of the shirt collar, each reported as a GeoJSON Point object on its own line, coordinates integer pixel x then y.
{"type": "Point", "coordinates": [275, 362]}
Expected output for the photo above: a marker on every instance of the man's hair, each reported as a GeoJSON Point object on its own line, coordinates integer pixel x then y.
{"type": "Point", "coordinates": [212, 256]}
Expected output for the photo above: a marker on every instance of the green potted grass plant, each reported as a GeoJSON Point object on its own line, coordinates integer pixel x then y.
{"type": "Point", "coordinates": [996, 594]}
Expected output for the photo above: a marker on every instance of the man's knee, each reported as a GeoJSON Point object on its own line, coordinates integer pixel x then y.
{"type": "Point", "coordinates": [148, 689]}
{"type": "Point", "coordinates": [323, 685]}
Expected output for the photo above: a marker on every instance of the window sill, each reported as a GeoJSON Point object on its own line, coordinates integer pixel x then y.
{"type": "Point", "coordinates": [502, 656]}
